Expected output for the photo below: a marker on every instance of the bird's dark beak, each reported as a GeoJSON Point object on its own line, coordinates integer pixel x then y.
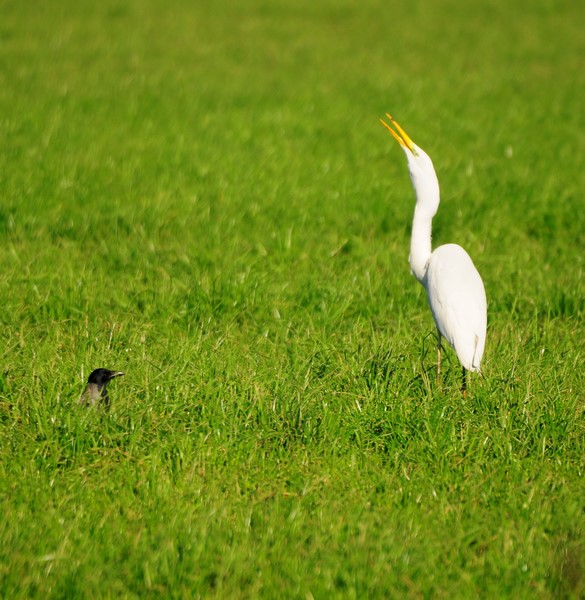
{"type": "Point", "coordinates": [116, 374]}
{"type": "Point", "coordinates": [399, 135]}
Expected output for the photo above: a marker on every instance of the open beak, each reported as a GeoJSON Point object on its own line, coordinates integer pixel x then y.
{"type": "Point", "coordinates": [399, 134]}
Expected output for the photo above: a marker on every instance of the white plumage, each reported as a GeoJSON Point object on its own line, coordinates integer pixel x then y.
{"type": "Point", "coordinates": [454, 287]}
{"type": "Point", "coordinates": [457, 300]}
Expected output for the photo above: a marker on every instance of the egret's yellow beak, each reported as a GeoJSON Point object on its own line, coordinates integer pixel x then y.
{"type": "Point", "coordinates": [399, 135]}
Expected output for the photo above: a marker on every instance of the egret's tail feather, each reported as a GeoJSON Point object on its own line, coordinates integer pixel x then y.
{"type": "Point", "coordinates": [475, 362]}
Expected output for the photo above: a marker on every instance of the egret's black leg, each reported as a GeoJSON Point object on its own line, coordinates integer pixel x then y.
{"type": "Point", "coordinates": [464, 383]}
{"type": "Point", "coordinates": [438, 358]}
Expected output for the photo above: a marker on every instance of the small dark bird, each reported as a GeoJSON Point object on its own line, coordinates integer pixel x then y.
{"type": "Point", "coordinates": [96, 389]}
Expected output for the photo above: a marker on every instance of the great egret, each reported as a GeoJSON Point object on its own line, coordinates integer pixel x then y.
{"type": "Point", "coordinates": [454, 287]}
{"type": "Point", "coordinates": [96, 389]}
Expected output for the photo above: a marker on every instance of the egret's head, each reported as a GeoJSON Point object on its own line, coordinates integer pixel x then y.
{"type": "Point", "coordinates": [420, 166]}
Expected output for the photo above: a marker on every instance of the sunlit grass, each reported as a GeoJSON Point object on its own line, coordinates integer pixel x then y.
{"type": "Point", "coordinates": [202, 197]}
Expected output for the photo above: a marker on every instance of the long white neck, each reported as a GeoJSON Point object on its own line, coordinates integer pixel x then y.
{"type": "Point", "coordinates": [420, 242]}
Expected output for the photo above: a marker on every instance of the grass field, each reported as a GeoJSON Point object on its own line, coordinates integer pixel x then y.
{"type": "Point", "coordinates": [200, 194]}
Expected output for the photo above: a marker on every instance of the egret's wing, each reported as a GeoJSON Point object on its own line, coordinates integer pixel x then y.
{"type": "Point", "coordinates": [458, 302]}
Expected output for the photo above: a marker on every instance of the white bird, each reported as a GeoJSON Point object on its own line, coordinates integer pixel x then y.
{"type": "Point", "coordinates": [454, 287]}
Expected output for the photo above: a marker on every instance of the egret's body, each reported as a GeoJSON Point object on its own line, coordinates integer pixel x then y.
{"type": "Point", "coordinates": [457, 300]}
{"type": "Point", "coordinates": [454, 287]}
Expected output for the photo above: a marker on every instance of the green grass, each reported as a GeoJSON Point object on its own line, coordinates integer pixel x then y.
{"type": "Point", "coordinates": [200, 194]}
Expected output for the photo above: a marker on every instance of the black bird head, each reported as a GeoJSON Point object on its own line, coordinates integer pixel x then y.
{"type": "Point", "coordinates": [96, 388]}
